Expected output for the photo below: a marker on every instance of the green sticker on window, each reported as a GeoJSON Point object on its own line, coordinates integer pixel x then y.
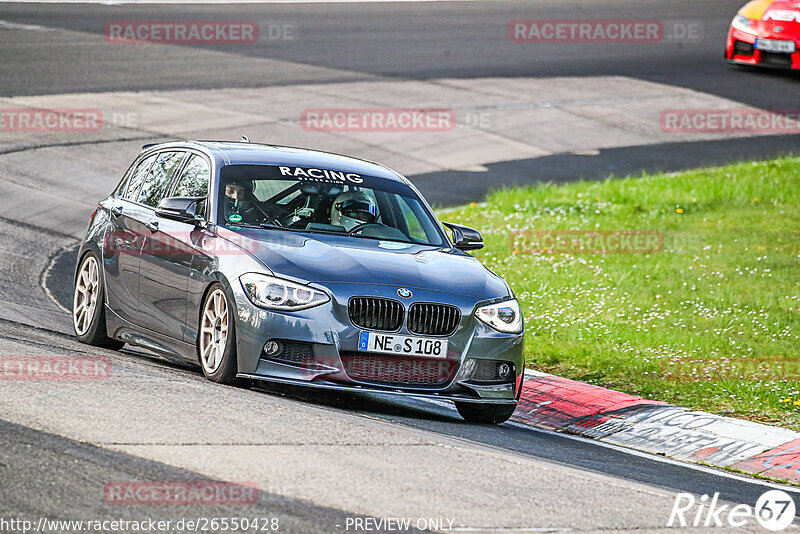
{"type": "Point", "coordinates": [235, 218]}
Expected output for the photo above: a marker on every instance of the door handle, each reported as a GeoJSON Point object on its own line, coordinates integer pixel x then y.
{"type": "Point", "coordinates": [152, 226]}
{"type": "Point", "coordinates": [116, 211]}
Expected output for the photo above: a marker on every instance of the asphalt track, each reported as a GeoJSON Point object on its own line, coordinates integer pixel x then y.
{"type": "Point", "coordinates": [410, 41]}
{"type": "Point", "coordinates": [320, 457]}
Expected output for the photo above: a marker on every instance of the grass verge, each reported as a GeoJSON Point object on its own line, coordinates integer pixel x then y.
{"type": "Point", "coordinates": [681, 287]}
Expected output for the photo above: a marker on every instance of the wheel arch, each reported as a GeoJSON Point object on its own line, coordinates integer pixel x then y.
{"type": "Point", "coordinates": [86, 249]}
{"type": "Point", "coordinates": [215, 278]}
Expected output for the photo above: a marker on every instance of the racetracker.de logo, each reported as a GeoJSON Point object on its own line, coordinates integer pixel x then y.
{"type": "Point", "coordinates": [586, 242]}
{"type": "Point", "coordinates": [50, 120]}
{"type": "Point", "coordinates": [585, 31]}
{"type": "Point", "coordinates": [730, 121]}
{"type": "Point", "coordinates": [180, 493]}
{"type": "Point", "coordinates": [618, 31]}
{"type": "Point", "coordinates": [181, 31]}
{"type": "Point", "coordinates": [178, 244]}
{"type": "Point", "coordinates": [378, 120]}
{"type": "Point", "coordinates": [730, 369]}
{"type": "Point", "coordinates": [54, 368]}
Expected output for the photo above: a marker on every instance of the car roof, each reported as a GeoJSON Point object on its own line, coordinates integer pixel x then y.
{"type": "Point", "coordinates": [245, 153]}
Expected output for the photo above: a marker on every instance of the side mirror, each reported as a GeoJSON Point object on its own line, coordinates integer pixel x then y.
{"type": "Point", "coordinates": [182, 209]}
{"type": "Point", "coordinates": [464, 237]}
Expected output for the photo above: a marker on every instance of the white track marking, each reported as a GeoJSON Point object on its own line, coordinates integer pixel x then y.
{"type": "Point", "coordinates": [43, 282]}
{"type": "Point", "coordinates": [6, 25]}
{"type": "Point", "coordinates": [662, 459]}
{"type": "Point", "coordinates": [640, 454]}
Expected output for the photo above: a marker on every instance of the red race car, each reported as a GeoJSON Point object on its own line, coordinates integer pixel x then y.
{"type": "Point", "coordinates": [766, 33]}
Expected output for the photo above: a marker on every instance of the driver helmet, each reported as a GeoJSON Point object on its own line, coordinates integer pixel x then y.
{"type": "Point", "coordinates": [239, 189]}
{"type": "Point", "coordinates": [352, 209]}
{"type": "Point", "coordinates": [236, 194]}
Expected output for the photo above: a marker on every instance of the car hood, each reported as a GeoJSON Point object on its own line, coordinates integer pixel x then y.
{"type": "Point", "coordinates": [769, 15]}
{"type": "Point", "coordinates": [340, 259]}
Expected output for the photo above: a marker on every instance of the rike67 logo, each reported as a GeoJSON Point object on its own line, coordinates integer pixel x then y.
{"type": "Point", "coordinates": [774, 510]}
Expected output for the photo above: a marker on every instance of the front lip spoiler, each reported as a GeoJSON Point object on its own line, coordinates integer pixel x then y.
{"type": "Point", "coordinates": [761, 66]}
{"type": "Point", "coordinates": [362, 389]}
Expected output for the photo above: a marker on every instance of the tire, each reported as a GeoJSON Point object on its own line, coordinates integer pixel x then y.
{"type": "Point", "coordinates": [88, 305]}
{"type": "Point", "coordinates": [216, 339]}
{"type": "Point", "coordinates": [490, 414]}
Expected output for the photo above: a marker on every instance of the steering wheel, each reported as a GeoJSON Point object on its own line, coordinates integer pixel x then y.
{"type": "Point", "coordinates": [269, 218]}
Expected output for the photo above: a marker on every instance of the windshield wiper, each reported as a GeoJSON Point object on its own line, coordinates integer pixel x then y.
{"type": "Point", "coordinates": [268, 226]}
{"type": "Point", "coordinates": [271, 226]}
{"type": "Point", "coordinates": [264, 225]}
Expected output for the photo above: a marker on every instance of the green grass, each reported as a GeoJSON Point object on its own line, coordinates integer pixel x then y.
{"type": "Point", "coordinates": [710, 321]}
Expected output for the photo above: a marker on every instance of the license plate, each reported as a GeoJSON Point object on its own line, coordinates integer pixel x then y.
{"type": "Point", "coordinates": [775, 45]}
{"type": "Point", "coordinates": [404, 345]}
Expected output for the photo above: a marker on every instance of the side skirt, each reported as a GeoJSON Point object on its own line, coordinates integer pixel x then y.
{"type": "Point", "coordinates": [119, 328]}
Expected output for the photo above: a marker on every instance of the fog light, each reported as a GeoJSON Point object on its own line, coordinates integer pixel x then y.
{"type": "Point", "coordinates": [271, 348]}
{"type": "Point", "coordinates": [503, 370]}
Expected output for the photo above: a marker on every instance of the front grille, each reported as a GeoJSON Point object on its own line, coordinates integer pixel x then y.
{"type": "Point", "coordinates": [376, 313]}
{"type": "Point", "coordinates": [776, 59]}
{"type": "Point", "coordinates": [294, 352]}
{"type": "Point", "coordinates": [487, 371]}
{"type": "Point", "coordinates": [741, 48]}
{"type": "Point", "coordinates": [433, 319]}
{"type": "Point", "coordinates": [397, 370]}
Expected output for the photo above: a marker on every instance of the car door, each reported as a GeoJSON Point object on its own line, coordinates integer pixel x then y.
{"type": "Point", "coordinates": [168, 251]}
{"type": "Point", "coordinates": [123, 242]}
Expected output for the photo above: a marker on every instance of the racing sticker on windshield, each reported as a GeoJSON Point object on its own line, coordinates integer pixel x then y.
{"type": "Point", "coordinates": [322, 175]}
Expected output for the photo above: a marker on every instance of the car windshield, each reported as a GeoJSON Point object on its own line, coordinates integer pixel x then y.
{"type": "Point", "coordinates": [324, 200]}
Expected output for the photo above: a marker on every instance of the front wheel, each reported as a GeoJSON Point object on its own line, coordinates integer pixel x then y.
{"type": "Point", "coordinates": [490, 414]}
{"type": "Point", "coordinates": [88, 306]}
{"type": "Point", "coordinates": [216, 344]}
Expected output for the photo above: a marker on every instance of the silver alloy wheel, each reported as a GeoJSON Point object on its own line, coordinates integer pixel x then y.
{"type": "Point", "coordinates": [214, 331]}
{"type": "Point", "coordinates": [84, 301]}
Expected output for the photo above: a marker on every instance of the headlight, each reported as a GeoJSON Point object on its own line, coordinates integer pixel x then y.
{"type": "Point", "coordinates": [276, 294]}
{"type": "Point", "coordinates": [503, 316]}
{"type": "Point", "coordinates": [740, 22]}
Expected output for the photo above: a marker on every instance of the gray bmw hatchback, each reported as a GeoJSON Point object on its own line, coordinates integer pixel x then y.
{"type": "Point", "coordinates": [301, 267]}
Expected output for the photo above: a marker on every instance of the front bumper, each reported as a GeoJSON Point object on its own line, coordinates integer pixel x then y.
{"type": "Point", "coordinates": [741, 50]}
{"type": "Point", "coordinates": [333, 341]}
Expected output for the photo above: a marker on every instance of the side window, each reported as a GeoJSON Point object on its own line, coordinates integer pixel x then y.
{"type": "Point", "coordinates": [194, 181]}
{"type": "Point", "coordinates": [137, 178]}
{"type": "Point", "coordinates": [159, 177]}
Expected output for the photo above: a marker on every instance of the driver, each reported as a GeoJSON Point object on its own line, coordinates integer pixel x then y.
{"type": "Point", "coordinates": [352, 209]}
{"type": "Point", "coordinates": [238, 201]}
